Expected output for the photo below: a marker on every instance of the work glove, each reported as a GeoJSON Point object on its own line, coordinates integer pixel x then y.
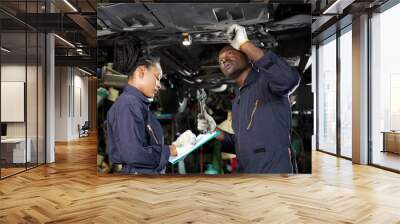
{"type": "Point", "coordinates": [205, 123]}
{"type": "Point", "coordinates": [237, 36]}
{"type": "Point", "coordinates": [185, 140]}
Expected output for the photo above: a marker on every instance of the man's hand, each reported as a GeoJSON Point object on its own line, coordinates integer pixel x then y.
{"type": "Point", "coordinates": [238, 40]}
{"type": "Point", "coordinates": [237, 36]}
{"type": "Point", "coordinates": [172, 150]}
{"type": "Point", "coordinates": [206, 123]}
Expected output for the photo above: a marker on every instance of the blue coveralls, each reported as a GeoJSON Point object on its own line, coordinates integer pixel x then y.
{"type": "Point", "coordinates": [135, 136]}
{"type": "Point", "coordinates": [261, 117]}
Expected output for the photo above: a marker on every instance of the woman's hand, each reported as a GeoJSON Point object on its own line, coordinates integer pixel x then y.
{"type": "Point", "coordinates": [172, 150]}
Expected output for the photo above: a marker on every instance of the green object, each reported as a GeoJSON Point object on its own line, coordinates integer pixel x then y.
{"type": "Point", "coordinates": [210, 169]}
{"type": "Point", "coordinates": [216, 157]}
{"type": "Point", "coordinates": [164, 116]}
{"type": "Point", "coordinates": [296, 145]}
{"type": "Point", "coordinates": [102, 94]}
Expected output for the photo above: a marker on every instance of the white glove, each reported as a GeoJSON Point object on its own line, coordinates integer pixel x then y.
{"type": "Point", "coordinates": [237, 36]}
{"type": "Point", "coordinates": [206, 124]}
{"type": "Point", "coordinates": [185, 140]}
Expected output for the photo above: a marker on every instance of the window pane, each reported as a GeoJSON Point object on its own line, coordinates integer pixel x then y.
{"type": "Point", "coordinates": [15, 150]}
{"type": "Point", "coordinates": [41, 98]}
{"type": "Point", "coordinates": [327, 97]}
{"type": "Point", "coordinates": [346, 94]}
{"type": "Point", "coordinates": [385, 84]}
{"type": "Point", "coordinates": [31, 97]}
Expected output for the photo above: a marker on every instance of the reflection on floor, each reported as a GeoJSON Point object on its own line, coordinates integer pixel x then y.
{"type": "Point", "coordinates": [10, 169]}
{"type": "Point", "coordinates": [387, 159]}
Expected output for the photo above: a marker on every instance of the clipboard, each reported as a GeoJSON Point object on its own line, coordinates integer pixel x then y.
{"type": "Point", "coordinates": [200, 140]}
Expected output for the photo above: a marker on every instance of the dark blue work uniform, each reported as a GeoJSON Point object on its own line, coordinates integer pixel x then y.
{"type": "Point", "coordinates": [261, 117]}
{"type": "Point", "coordinates": [135, 137]}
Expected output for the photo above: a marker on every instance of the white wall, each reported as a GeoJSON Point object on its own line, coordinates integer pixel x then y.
{"type": "Point", "coordinates": [33, 127]}
{"type": "Point", "coordinates": [12, 73]}
{"type": "Point", "coordinates": [16, 73]}
{"type": "Point", "coordinates": [61, 103]}
{"type": "Point", "coordinates": [71, 102]}
{"type": "Point", "coordinates": [80, 110]}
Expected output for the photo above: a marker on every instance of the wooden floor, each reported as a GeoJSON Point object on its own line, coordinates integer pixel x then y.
{"type": "Point", "coordinates": [387, 159]}
{"type": "Point", "coordinates": [70, 191]}
{"type": "Point", "coordinates": [5, 172]}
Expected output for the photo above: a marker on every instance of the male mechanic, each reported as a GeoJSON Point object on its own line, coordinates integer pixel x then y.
{"type": "Point", "coordinates": [261, 114]}
{"type": "Point", "coordinates": [135, 137]}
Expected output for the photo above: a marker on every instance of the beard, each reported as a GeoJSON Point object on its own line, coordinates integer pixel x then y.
{"type": "Point", "coordinates": [237, 72]}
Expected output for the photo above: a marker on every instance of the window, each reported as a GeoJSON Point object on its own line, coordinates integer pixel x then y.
{"type": "Point", "coordinates": [327, 96]}
{"type": "Point", "coordinates": [22, 78]}
{"type": "Point", "coordinates": [385, 88]}
{"type": "Point", "coordinates": [346, 75]}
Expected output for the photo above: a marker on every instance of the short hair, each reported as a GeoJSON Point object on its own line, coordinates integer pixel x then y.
{"type": "Point", "coordinates": [229, 47]}
{"type": "Point", "coordinates": [147, 61]}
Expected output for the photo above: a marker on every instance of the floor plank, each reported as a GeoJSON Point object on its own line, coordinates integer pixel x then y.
{"type": "Point", "coordinates": [70, 191]}
{"type": "Point", "coordinates": [387, 159]}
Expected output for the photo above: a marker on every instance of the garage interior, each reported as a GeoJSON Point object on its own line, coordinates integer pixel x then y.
{"type": "Point", "coordinates": [128, 31]}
